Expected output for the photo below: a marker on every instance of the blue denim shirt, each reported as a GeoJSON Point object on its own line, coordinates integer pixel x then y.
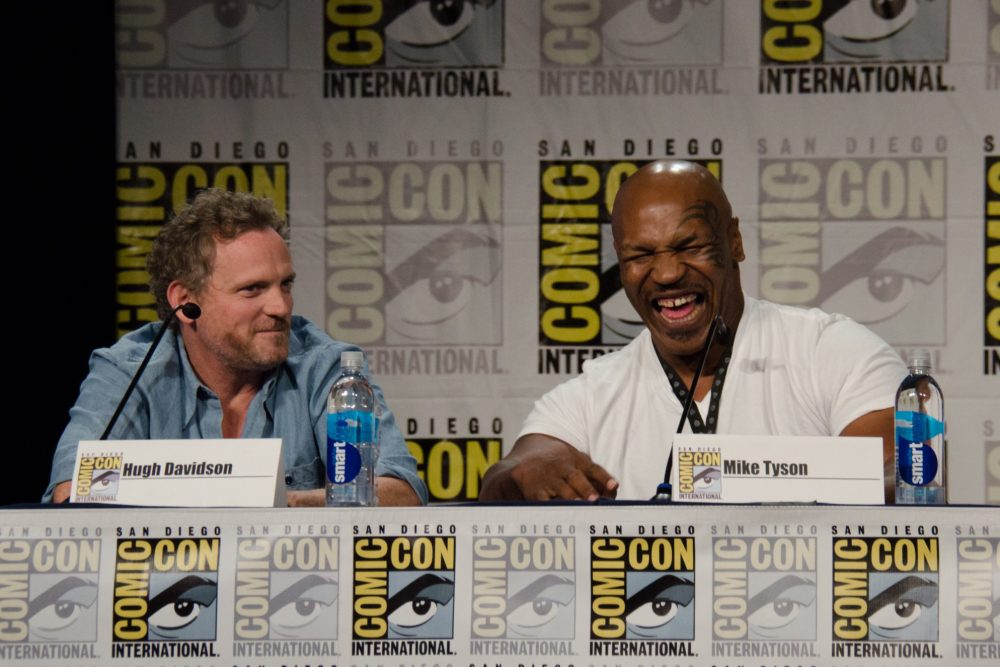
{"type": "Point", "coordinates": [170, 402]}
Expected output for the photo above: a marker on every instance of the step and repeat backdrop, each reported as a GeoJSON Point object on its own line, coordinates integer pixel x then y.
{"type": "Point", "coordinates": [614, 585]}
{"type": "Point", "coordinates": [447, 167]}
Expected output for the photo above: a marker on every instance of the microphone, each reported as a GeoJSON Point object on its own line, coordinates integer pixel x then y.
{"type": "Point", "coordinates": [722, 332]}
{"type": "Point", "coordinates": [192, 311]}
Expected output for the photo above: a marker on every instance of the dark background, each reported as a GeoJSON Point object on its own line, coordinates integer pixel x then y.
{"type": "Point", "coordinates": [60, 99]}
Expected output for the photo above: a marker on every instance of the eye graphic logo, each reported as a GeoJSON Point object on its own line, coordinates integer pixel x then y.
{"type": "Point", "coordinates": [420, 605]}
{"type": "Point", "coordinates": [903, 607]}
{"type": "Point", "coordinates": [414, 252]}
{"type": "Point", "coordinates": [286, 588]}
{"type": "Point", "coordinates": [581, 301]}
{"type": "Point", "coordinates": [867, 31]}
{"type": "Point", "coordinates": [659, 606]}
{"type": "Point", "coordinates": [404, 588]}
{"type": "Point", "coordinates": [166, 589]}
{"type": "Point", "coordinates": [98, 477]}
{"type": "Point", "coordinates": [879, 272]}
{"type": "Point", "coordinates": [182, 606]}
{"type": "Point", "coordinates": [49, 590]}
{"type": "Point", "coordinates": [885, 589]}
{"type": "Point", "coordinates": [631, 32]}
{"type": "Point", "coordinates": [854, 31]}
{"type": "Point", "coordinates": [203, 34]}
{"type": "Point", "coordinates": [764, 588]}
{"type": "Point", "coordinates": [523, 588]}
{"type": "Point", "coordinates": [781, 607]}
{"type": "Point", "coordinates": [642, 588]}
{"type": "Point", "coordinates": [443, 287]}
{"type": "Point", "coordinates": [105, 482]}
{"type": "Point", "coordinates": [541, 605]}
{"type": "Point", "coordinates": [699, 473]}
{"type": "Point", "coordinates": [414, 33]}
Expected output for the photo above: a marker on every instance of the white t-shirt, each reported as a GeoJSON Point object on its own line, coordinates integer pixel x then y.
{"type": "Point", "coordinates": [792, 372]}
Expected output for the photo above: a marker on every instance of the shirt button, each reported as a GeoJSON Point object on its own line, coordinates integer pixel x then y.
{"type": "Point", "coordinates": [288, 479]}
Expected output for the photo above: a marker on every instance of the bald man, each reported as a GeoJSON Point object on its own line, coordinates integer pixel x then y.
{"type": "Point", "coordinates": [771, 369]}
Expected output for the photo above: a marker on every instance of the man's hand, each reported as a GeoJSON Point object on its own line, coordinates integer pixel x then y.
{"type": "Point", "coordinates": [60, 494]}
{"type": "Point", "coordinates": [879, 424]}
{"type": "Point", "coordinates": [391, 492]}
{"type": "Point", "coordinates": [541, 467]}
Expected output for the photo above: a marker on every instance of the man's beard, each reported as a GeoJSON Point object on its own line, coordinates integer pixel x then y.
{"type": "Point", "coordinates": [257, 354]}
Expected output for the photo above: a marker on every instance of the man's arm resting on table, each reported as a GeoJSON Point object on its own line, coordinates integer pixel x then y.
{"type": "Point", "coordinates": [391, 492]}
{"type": "Point", "coordinates": [541, 467]}
{"type": "Point", "coordinates": [879, 424]}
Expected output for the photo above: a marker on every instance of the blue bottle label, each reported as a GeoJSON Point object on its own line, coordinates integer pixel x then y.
{"type": "Point", "coordinates": [917, 461]}
{"type": "Point", "coordinates": [343, 462]}
{"type": "Point", "coordinates": [343, 431]}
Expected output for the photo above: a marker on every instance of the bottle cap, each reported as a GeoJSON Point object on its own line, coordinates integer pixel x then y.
{"type": "Point", "coordinates": [920, 359]}
{"type": "Point", "coordinates": [352, 359]}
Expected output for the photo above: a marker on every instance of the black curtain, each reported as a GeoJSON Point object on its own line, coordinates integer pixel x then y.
{"type": "Point", "coordinates": [59, 301]}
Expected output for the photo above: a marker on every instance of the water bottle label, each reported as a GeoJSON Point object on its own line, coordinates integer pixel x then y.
{"type": "Point", "coordinates": [343, 462]}
{"type": "Point", "coordinates": [918, 462]}
{"type": "Point", "coordinates": [343, 431]}
{"type": "Point", "coordinates": [350, 426]}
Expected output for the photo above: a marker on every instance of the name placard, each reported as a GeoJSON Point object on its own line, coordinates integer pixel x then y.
{"type": "Point", "coordinates": [180, 473]}
{"type": "Point", "coordinates": [768, 468]}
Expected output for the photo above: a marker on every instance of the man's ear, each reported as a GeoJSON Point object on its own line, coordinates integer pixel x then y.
{"type": "Point", "coordinates": [736, 241]}
{"type": "Point", "coordinates": [177, 294]}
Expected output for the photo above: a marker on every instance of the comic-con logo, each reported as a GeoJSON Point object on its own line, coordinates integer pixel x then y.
{"type": "Point", "coordinates": [421, 48]}
{"type": "Point", "coordinates": [404, 589]}
{"type": "Point", "coordinates": [49, 590]}
{"type": "Point", "coordinates": [147, 194]}
{"type": "Point", "coordinates": [978, 596]}
{"type": "Point", "coordinates": [885, 589]}
{"type": "Point", "coordinates": [642, 588]}
{"type": "Point", "coordinates": [165, 589]}
{"type": "Point", "coordinates": [98, 477]}
{"type": "Point", "coordinates": [523, 587]}
{"type": "Point", "coordinates": [764, 588]}
{"type": "Point", "coordinates": [286, 588]}
{"type": "Point", "coordinates": [699, 473]}
{"type": "Point", "coordinates": [853, 46]}
{"type": "Point", "coordinates": [581, 301]}
{"type": "Point", "coordinates": [860, 236]}
{"type": "Point", "coordinates": [414, 252]}
{"type": "Point", "coordinates": [252, 34]}
{"type": "Point", "coordinates": [630, 47]}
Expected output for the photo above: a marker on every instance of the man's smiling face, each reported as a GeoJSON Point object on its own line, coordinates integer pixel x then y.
{"type": "Point", "coordinates": [678, 249]}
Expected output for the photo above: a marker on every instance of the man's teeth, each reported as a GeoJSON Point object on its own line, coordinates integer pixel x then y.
{"type": "Point", "coordinates": [677, 302]}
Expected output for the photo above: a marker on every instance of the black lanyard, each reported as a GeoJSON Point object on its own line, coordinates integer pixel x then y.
{"type": "Point", "coordinates": [699, 425]}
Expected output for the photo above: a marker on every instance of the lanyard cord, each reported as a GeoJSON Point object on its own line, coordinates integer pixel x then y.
{"type": "Point", "coordinates": [698, 425]}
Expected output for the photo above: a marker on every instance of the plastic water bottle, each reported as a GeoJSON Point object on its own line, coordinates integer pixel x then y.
{"type": "Point", "coordinates": [920, 431]}
{"type": "Point", "coordinates": [351, 436]}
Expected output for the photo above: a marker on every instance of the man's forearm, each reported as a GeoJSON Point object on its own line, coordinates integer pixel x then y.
{"type": "Point", "coordinates": [394, 492]}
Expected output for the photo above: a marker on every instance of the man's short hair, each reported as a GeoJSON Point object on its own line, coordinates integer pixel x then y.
{"type": "Point", "coordinates": [184, 250]}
